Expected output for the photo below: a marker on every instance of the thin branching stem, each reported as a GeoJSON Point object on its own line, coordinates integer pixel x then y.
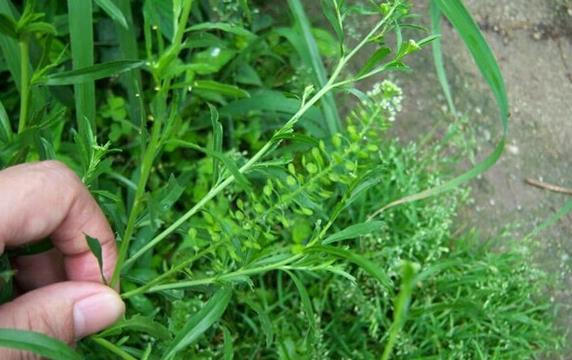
{"type": "Point", "coordinates": [329, 86]}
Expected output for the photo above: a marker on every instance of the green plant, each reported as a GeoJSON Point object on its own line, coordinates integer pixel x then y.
{"type": "Point", "coordinates": [251, 221]}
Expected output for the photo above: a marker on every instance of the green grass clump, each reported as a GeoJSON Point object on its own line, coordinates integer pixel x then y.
{"type": "Point", "coordinates": [252, 222]}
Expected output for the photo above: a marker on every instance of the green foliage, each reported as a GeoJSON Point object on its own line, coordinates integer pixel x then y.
{"type": "Point", "coordinates": [251, 221]}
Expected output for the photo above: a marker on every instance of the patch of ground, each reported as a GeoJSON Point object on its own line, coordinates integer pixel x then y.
{"type": "Point", "coordinates": [532, 40]}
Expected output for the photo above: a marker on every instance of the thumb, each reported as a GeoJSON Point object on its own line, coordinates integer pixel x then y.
{"type": "Point", "coordinates": [67, 311]}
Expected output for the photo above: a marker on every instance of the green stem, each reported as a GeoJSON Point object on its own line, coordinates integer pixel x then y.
{"type": "Point", "coordinates": [223, 277]}
{"type": "Point", "coordinates": [146, 166]}
{"type": "Point", "coordinates": [167, 274]}
{"type": "Point", "coordinates": [25, 82]}
{"type": "Point", "coordinates": [150, 153]}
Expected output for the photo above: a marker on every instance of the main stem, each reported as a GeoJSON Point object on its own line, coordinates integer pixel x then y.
{"type": "Point", "coordinates": [24, 82]}
{"type": "Point", "coordinates": [148, 158]}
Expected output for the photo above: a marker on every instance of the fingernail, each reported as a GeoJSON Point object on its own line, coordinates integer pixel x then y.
{"type": "Point", "coordinates": [96, 312]}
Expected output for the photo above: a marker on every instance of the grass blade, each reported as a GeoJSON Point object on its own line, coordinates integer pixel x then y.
{"type": "Point", "coordinates": [355, 258]}
{"type": "Point", "coordinates": [227, 344]}
{"type": "Point", "coordinates": [400, 307]}
{"type": "Point", "coordinates": [37, 343]}
{"type": "Point", "coordinates": [469, 31]}
{"type": "Point", "coordinates": [80, 14]}
{"type": "Point", "coordinates": [438, 57]}
{"type": "Point", "coordinates": [113, 11]}
{"type": "Point", "coordinates": [354, 231]}
{"type": "Point", "coordinates": [311, 56]}
{"type": "Point", "coordinates": [91, 73]}
{"type": "Point", "coordinates": [306, 303]}
{"type": "Point", "coordinates": [6, 132]}
{"type": "Point", "coordinates": [200, 322]}
{"type": "Point", "coordinates": [129, 50]}
{"type": "Point", "coordinates": [9, 46]}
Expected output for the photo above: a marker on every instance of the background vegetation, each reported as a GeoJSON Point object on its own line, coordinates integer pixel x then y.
{"type": "Point", "coordinates": [254, 218]}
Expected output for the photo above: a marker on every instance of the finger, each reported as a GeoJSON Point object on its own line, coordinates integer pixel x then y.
{"type": "Point", "coordinates": [35, 271]}
{"type": "Point", "coordinates": [48, 199]}
{"type": "Point", "coordinates": [67, 311]}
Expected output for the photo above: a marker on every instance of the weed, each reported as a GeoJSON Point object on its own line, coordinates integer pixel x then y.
{"type": "Point", "coordinates": [252, 222]}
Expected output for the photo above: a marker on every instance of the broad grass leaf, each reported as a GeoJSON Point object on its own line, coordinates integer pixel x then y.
{"type": "Point", "coordinates": [37, 343]}
{"type": "Point", "coordinates": [355, 258]}
{"type": "Point", "coordinates": [160, 13]}
{"type": "Point", "coordinates": [275, 103]}
{"type": "Point", "coordinates": [310, 54]}
{"type": "Point", "coordinates": [354, 231]}
{"type": "Point", "coordinates": [113, 11]}
{"type": "Point", "coordinates": [92, 73]}
{"type": "Point", "coordinates": [8, 26]}
{"type": "Point", "coordinates": [200, 322]}
{"type": "Point", "coordinates": [80, 20]}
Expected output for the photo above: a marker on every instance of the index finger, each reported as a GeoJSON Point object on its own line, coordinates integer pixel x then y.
{"type": "Point", "coordinates": [48, 199]}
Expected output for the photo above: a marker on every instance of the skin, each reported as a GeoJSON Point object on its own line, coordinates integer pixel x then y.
{"type": "Point", "coordinates": [61, 293]}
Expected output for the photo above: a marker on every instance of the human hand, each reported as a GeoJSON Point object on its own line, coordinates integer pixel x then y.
{"type": "Point", "coordinates": [63, 295]}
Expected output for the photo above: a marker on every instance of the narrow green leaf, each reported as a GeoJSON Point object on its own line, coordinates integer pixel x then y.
{"type": "Point", "coordinates": [39, 27]}
{"type": "Point", "coordinates": [92, 73]}
{"type": "Point", "coordinates": [311, 56]}
{"type": "Point", "coordinates": [374, 60]}
{"type": "Point", "coordinates": [140, 324]}
{"type": "Point", "coordinates": [331, 10]}
{"type": "Point", "coordinates": [113, 11]}
{"type": "Point", "coordinates": [80, 19]}
{"type": "Point", "coordinates": [220, 88]}
{"type": "Point", "coordinates": [354, 231]}
{"type": "Point", "coordinates": [229, 28]}
{"type": "Point", "coordinates": [37, 343]}
{"type": "Point", "coordinates": [6, 132]}
{"type": "Point", "coordinates": [227, 162]}
{"type": "Point", "coordinates": [438, 57]}
{"type": "Point", "coordinates": [8, 26]}
{"type": "Point", "coordinates": [227, 344]}
{"type": "Point", "coordinates": [95, 248]}
{"type": "Point", "coordinates": [368, 266]}
{"type": "Point", "coordinates": [306, 303]}
{"type": "Point", "coordinates": [217, 139]}
{"type": "Point", "coordinates": [129, 50]}
{"type": "Point", "coordinates": [400, 307]}
{"type": "Point", "coordinates": [200, 322]}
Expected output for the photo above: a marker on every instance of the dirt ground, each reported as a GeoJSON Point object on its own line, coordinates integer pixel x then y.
{"type": "Point", "coordinates": [532, 40]}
